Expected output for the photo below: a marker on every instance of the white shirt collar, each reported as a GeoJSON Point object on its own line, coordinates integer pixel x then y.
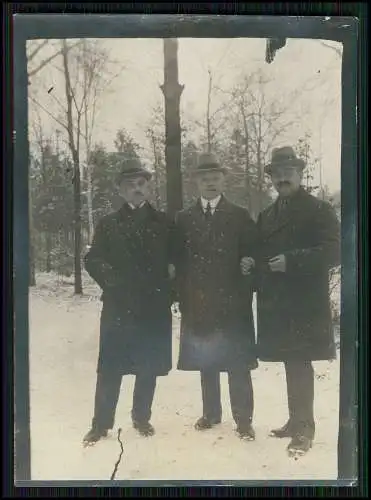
{"type": "Point", "coordinates": [213, 203]}
{"type": "Point", "coordinates": [133, 207]}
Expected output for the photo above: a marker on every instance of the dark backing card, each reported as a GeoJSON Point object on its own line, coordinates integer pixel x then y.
{"type": "Point", "coordinates": [350, 31]}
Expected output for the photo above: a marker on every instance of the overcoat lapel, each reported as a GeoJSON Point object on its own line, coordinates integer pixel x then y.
{"type": "Point", "coordinates": [221, 208]}
{"type": "Point", "coordinates": [213, 229]}
{"type": "Point", "coordinates": [275, 221]}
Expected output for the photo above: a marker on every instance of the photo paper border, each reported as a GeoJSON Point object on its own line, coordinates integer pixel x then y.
{"type": "Point", "coordinates": [341, 29]}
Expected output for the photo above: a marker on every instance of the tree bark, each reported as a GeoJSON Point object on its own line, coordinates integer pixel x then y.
{"type": "Point", "coordinates": [260, 167]}
{"type": "Point", "coordinates": [172, 91]}
{"type": "Point", "coordinates": [156, 165]}
{"type": "Point", "coordinates": [208, 120]}
{"type": "Point", "coordinates": [76, 176]}
{"type": "Point", "coordinates": [89, 198]}
{"type": "Point", "coordinates": [249, 191]}
{"type": "Point", "coordinates": [32, 266]}
{"type": "Point", "coordinates": [48, 250]}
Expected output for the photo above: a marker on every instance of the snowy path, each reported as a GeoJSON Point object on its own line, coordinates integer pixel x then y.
{"type": "Point", "coordinates": [63, 348]}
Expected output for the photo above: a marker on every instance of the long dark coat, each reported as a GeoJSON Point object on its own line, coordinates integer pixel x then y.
{"type": "Point", "coordinates": [294, 314]}
{"type": "Point", "coordinates": [217, 327]}
{"type": "Point", "coordinates": [129, 260]}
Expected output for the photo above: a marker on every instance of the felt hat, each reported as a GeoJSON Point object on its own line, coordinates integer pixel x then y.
{"type": "Point", "coordinates": [132, 168]}
{"type": "Point", "coordinates": [284, 157]}
{"type": "Point", "coordinates": [208, 162]}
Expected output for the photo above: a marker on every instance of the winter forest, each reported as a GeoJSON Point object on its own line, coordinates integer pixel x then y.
{"type": "Point", "coordinates": [93, 100]}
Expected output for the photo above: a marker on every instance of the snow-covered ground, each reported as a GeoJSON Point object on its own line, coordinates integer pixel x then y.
{"type": "Point", "coordinates": [63, 353]}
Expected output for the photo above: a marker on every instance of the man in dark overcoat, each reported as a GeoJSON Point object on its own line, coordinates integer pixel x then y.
{"type": "Point", "coordinates": [215, 299]}
{"type": "Point", "coordinates": [130, 260]}
{"type": "Point", "coordinates": [299, 243]}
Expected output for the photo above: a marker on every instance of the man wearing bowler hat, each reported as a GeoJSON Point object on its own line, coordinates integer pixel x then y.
{"type": "Point", "coordinates": [130, 260]}
{"type": "Point", "coordinates": [215, 299]}
{"type": "Point", "coordinates": [299, 243]}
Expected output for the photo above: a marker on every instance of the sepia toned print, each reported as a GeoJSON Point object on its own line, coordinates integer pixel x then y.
{"type": "Point", "coordinates": [203, 325]}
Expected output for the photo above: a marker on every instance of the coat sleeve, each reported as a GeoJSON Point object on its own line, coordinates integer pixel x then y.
{"type": "Point", "coordinates": [171, 232]}
{"type": "Point", "coordinates": [248, 237]}
{"type": "Point", "coordinates": [96, 259]}
{"type": "Point", "coordinates": [325, 253]}
{"type": "Point", "coordinates": [177, 252]}
{"type": "Point", "coordinates": [248, 244]}
{"type": "Point", "coordinates": [177, 246]}
{"type": "Point", "coordinates": [172, 250]}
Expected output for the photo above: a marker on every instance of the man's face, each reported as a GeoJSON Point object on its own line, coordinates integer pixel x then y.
{"type": "Point", "coordinates": [135, 190]}
{"type": "Point", "coordinates": [210, 184]}
{"type": "Point", "coordinates": [286, 180]}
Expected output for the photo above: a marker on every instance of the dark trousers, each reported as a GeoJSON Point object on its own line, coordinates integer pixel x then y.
{"type": "Point", "coordinates": [107, 394]}
{"type": "Point", "coordinates": [300, 396]}
{"type": "Point", "coordinates": [240, 392]}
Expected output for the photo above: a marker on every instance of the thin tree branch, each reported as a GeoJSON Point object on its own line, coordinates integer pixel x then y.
{"type": "Point", "coordinates": [49, 59]}
{"type": "Point", "coordinates": [36, 50]}
{"type": "Point", "coordinates": [276, 134]}
{"type": "Point", "coordinates": [58, 102]}
{"type": "Point", "coordinates": [92, 123]}
{"type": "Point", "coordinates": [48, 113]}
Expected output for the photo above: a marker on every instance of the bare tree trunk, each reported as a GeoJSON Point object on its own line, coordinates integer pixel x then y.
{"type": "Point", "coordinates": [208, 120]}
{"type": "Point", "coordinates": [260, 166]}
{"type": "Point", "coordinates": [77, 220]}
{"type": "Point", "coordinates": [249, 193]}
{"type": "Point", "coordinates": [89, 195]}
{"type": "Point", "coordinates": [32, 265]}
{"type": "Point", "coordinates": [172, 91]}
{"type": "Point", "coordinates": [260, 176]}
{"type": "Point", "coordinates": [156, 165]}
{"type": "Point", "coordinates": [89, 198]}
{"type": "Point", "coordinates": [76, 178]}
{"type": "Point", "coordinates": [48, 250]}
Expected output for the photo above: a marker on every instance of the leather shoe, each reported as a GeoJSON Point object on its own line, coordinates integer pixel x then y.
{"type": "Point", "coordinates": [144, 428]}
{"type": "Point", "coordinates": [299, 445]}
{"type": "Point", "coordinates": [282, 432]}
{"type": "Point", "coordinates": [204, 423]}
{"type": "Point", "coordinates": [94, 435]}
{"type": "Point", "coordinates": [246, 432]}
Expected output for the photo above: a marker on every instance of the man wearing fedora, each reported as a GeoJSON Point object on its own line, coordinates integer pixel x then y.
{"type": "Point", "coordinates": [215, 299]}
{"type": "Point", "coordinates": [130, 260]}
{"type": "Point", "coordinates": [299, 243]}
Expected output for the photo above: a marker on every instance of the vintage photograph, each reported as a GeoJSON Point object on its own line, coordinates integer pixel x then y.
{"type": "Point", "coordinates": [184, 220]}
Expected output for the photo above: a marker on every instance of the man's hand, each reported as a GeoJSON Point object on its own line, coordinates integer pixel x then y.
{"type": "Point", "coordinates": [247, 263]}
{"type": "Point", "coordinates": [278, 264]}
{"type": "Point", "coordinates": [171, 270]}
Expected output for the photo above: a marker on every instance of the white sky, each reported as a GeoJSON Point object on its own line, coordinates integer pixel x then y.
{"type": "Point", "coordinates": [130, 99]}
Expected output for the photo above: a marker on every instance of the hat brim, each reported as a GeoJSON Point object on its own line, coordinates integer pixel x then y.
{"type": "Point", "coordinates": [297, 163]}
{"type": "Point", "coordinates": [134, 175]}
{"type": "Point", "coordinates": [202, 170]}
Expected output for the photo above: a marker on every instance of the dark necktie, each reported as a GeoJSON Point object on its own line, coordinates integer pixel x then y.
{"type": "Point", "coordinates": [208, 213]}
